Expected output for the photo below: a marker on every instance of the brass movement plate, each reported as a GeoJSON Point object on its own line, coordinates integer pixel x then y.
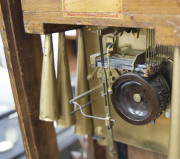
{"type": "Point", "coordinates": [150, 137]}
{"type": "Point", "coordinates": [92, 8]}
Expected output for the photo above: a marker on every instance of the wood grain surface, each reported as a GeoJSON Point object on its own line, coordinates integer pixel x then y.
{"type": "Point", "coordinates": [24, 60]}
{"type": "Point", "coordinates": [163, 15]}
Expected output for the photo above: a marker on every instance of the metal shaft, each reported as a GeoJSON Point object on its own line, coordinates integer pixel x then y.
{"type": "Point", "coordinates": [84, 94]}
{"type": "Point", "coordinates": [106, 100]}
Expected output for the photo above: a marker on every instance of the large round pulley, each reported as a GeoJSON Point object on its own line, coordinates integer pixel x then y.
{"type": "Point", "coordinates": [138, 100]}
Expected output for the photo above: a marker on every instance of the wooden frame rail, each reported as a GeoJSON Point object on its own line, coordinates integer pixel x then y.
{"type": "Point", "coordinates": [24, 59]}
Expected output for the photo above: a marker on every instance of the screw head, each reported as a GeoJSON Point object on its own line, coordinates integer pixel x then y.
{"type": "Point", "coordinates": [137, 97]}
{"type": "Point", "coordinates": [168, 113]}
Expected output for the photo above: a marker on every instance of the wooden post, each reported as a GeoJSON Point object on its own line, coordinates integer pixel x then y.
{"type": "Point", "coordinates": [24, 61]}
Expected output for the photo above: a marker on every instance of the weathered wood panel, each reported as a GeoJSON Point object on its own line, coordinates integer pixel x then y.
{"type": "Point", "coordinates": [164, 7]}
{"type": "Point", "coordinates": [24, 59]}
{"type": "Point", "coordinates": [163, 15]}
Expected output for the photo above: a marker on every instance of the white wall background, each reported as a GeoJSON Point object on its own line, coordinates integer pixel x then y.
{"type": "Point", "coordinates": [6, 97]}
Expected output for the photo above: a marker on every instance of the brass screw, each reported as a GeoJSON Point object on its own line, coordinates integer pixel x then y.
{"type": "Point", "coordinates": [137, 98]}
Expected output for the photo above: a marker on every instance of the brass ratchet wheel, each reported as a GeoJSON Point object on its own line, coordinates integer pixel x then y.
{"type": "Point", "coordinates": [140, 100]}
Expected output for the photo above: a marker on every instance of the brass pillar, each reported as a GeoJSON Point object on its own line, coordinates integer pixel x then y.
{"type": "Point", "coordinates": [174, 139]}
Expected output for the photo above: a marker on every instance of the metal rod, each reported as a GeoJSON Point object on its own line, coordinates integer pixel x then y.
{"type": "Point", "coordinates": [155, 48]}
{"type": "Point", "coordinates": [159, 53]}
{"type": "Point", "coordinates": [97, 137]}
{"type": "Point", "coordinates": [89, 116]}
{"type": "Point", "coordinates": [88, 103]}
{"type": "Point", "coordinates": [146, 47]}
{"type": "Point", "coordinates": [84, 94]}
{"type": "Point", "coordinates": [109, 81]}
{"type": "Point", "coordinates": [101, 47]}
{"type": "Point", "coordinates": [106, 98]}
{"type": "Point", "coordinates": [151, 46]}
{"type": "Point", "coordinates": [90, 76]}
{"type": "Point", "coordinates": [162, 52]}
{"type": "Point", "coordinates": [79, 108]}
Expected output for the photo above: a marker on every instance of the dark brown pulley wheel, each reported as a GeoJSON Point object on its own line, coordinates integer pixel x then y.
{"type": "Point", "coordinates": [136, 99]}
